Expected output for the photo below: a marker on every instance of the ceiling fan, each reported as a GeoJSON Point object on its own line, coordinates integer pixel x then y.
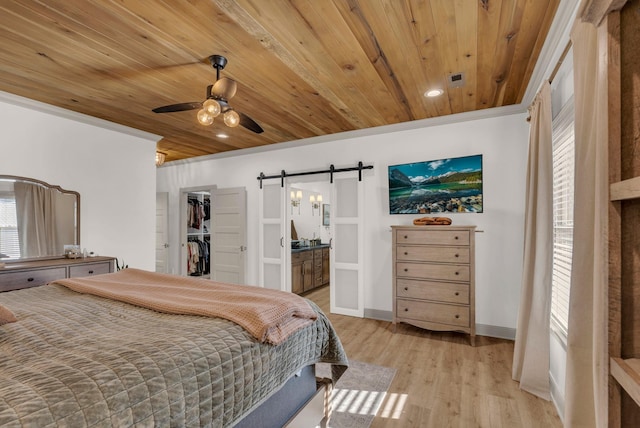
{"type": "Point", "coordinates": [217, 102]}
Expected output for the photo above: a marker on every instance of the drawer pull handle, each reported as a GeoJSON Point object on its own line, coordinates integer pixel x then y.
{"type": "Point", "coordinates": [406, 237]}
{"type": "Point", "coordinates": [30, 279]}
{"type": "Point", "coordinates": [406, 270]}
{"type": "Point", "coordinates": [457, 293]}
{"type": "Point", "coordinates": [457, 255]}
{"type": "Point", "coordinates": [90, 272]}
{"type": "Point", "coordinates": [457, 316]}
{"type": "Point", "coordinates": [406, 288]}
{"type": "Point", "coordinates": [406, 253]}
{"type": "Point", "coordinates": [457, 273]}
{"type": "Point", "coordinates": [406, 309]}
{"type": "Point", "coordinates": [456, 238]}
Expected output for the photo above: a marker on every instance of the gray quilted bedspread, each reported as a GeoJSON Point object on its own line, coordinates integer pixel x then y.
{"type": "Point", "coordinates": [78, 360]}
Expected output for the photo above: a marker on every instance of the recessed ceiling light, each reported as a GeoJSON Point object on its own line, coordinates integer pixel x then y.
{"type": "Point", "coordinates": [433, 93]}
{"type": "Point", "coordinates": [222, 135]}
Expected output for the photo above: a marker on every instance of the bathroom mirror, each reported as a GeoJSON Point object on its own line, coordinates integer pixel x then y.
{"type": "Point", "coordinates": [36, 219]}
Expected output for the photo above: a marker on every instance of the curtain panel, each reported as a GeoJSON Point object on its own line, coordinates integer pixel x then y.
{"type": "Point", "coordinates": [36, 215]}
{"type": "Point", "coordinates": [586, 380]}
{"type": "Point", "coordinates": [531, 349]}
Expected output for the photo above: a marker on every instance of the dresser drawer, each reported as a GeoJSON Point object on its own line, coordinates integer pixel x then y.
{"type": "Point", "coordinates": [449, 272]}
{"type": "Point", "coordinates": [432, 254]}
{"type": "Point", "coordinates": [33, 278]}
{"type": "Point", "coordinates": [89, 269]}
{"type": "Point", "coordinates": [433, 237]}
{"type": "Point", "coordinates": [448, 292]}
{"type": "Point", "coordinates": [433, 312]}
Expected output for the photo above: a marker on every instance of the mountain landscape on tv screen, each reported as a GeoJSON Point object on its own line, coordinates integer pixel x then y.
{"type": "Point", "coordinates": [446, 185]}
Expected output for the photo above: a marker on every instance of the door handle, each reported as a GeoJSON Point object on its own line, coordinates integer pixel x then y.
{"type": "Point", "coordinates": [282, 241]}
{"type": "Point", "coordinates": [331, 243]}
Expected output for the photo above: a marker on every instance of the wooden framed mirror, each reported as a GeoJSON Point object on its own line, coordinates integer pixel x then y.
{"type": "Point", "coordinates": [37, 219]}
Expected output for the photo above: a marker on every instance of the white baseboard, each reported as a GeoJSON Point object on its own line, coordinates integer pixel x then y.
{"type": "Point", "coordinates": [377, 314]}
{"type": "Point", "coordinates": [496, 331]}
{"type": "Point", "coordinates": [557, 396]}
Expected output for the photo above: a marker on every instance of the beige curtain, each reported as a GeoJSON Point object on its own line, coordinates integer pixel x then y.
{"type": "Point", "coordinates": [35, 210]}
{"type": "Point", "coordinates": [531, 351]}
{"type": "Point", "coordinates": [586, 381]}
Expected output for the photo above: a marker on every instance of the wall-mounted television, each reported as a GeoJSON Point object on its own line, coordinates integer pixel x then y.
{"type": "Point", "coordinates": [436, 186]}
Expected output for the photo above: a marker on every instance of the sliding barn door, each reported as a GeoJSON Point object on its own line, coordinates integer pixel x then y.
{"type": "Point", "coordinates": [347, 281]}
{"type": "Point", "coordinates": [272, 236]}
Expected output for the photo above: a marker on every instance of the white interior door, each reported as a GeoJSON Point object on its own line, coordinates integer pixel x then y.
{"type": "Point", "coordinates": [272, 237]}
{"type": "Point", "coordinates": [347, 254]}
{"type": "Point", "coordinates": [228, 234]}
{"type": "Point", "coordinates": [162, 232]}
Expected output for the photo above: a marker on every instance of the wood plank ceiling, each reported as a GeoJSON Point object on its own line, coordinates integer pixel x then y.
{"type": "Point", "coordinates": [304, 67]}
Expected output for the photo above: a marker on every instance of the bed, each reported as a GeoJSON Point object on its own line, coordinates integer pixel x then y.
{"type": "Point", "coordinates": [79, 359]}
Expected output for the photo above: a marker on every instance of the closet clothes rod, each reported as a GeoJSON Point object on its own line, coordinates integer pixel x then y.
{"type": "Point", "coordinates": [332, 170]}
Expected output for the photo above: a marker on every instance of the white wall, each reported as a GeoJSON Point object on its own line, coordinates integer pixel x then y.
{"type": "Point", "coordinates": [503, 143]}
{"type": "Point", "coordinates": [113, 171]}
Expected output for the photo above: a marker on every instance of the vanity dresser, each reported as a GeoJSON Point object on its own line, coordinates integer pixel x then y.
{"type": "Point", "coordinates": [434, 277]}
{"type": "Point", "coordinates": [25, 274]}
{"type": "Point", "coordinates": [40, 219]}
{"type": "Point", "coordinates": [309, 268]}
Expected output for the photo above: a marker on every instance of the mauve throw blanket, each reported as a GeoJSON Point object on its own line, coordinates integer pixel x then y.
{"type": "Point", "coordinates": [269, 315]}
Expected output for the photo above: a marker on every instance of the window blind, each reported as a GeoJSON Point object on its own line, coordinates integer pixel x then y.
{"type": "Point", "coordinates": [9, 244]}
{"type": "Point", "coordinates": [563, 189]}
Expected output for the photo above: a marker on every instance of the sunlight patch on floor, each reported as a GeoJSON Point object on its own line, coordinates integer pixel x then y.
{"type": "Point", "coordinates": [360, 402]}
{"type": "Point", "coordinates": [394, 405]}
{"type": "Point", "coordinates": [357, 402]}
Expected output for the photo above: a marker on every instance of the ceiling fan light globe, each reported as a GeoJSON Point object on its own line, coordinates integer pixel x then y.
{"type": "Point", "coordinates": [231, 119]}
{"type": "Point", "coordinates": [212, 107]}
{"type": "Point", "coordinates": [204, 117]}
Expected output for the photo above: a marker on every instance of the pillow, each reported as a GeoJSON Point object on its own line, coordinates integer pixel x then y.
{"type": "Point", "coordinates": [6, 316]}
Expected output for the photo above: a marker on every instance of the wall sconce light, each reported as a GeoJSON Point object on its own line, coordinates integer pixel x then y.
{"type": "Point", "coordinates": [296, 197]}
{"type": "Point", "coordinates": [160, 158]}
{"type": "Point", "coordinates": [315, 203]}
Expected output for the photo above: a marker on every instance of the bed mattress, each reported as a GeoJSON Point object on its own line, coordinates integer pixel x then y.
{"type": "Point", "coordinates": [80, 360]}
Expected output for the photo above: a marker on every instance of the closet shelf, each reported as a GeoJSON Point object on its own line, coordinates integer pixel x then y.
{"type": "Point", "coordinates": [625, 189]}
{"type": "Point", "coordinates": [627, 373]}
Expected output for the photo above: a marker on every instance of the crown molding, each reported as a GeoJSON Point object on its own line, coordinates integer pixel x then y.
{"type": "Point", "coordinates": [557, 39]}
{"type": "Point", "coordinates": [75, 116]}
{"type": "Point", "coordinates": [367, 132]}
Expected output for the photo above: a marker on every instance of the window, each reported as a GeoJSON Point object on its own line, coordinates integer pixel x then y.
{"type": "Point", "coordinates": [9, 245]}
{"type": "Point", "coordinates": [563, 173]}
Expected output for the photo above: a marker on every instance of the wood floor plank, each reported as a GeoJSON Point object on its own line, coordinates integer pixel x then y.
{"type": "Point", "coordinates": [440, 379]}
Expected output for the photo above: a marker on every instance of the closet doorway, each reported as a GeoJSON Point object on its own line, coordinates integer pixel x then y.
{"type": "Point", "coordinates": [213, 233]}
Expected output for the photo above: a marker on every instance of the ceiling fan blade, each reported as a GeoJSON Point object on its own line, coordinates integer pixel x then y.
{"type": "Point", "coordinates": [177, 107]}
{"type": "Point", "coordinates": [249, 123]}
{"type": "Point", "coordinates": [224, 88]}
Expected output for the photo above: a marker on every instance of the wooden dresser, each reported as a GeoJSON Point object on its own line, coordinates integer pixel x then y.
{"type": "Point", "coordinates": [17, 275]}
{"type": "Point", "coordinates": [434, 277]}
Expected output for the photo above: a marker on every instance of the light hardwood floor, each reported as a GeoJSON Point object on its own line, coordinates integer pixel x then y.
{"type": "Point", "coordinates": [441, 381]}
